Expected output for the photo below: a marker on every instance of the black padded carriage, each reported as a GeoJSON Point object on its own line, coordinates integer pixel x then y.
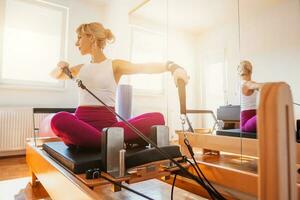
{"type": "Point", "coordinates": [76, 160]}
{"type": "Point", "coordinates": [236, 133]}
{"type": "Point", "coordinates": [80, 160]}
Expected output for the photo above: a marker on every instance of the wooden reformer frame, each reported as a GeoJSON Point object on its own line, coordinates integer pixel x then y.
{"type": "Point", "coordinates": [54, 176]}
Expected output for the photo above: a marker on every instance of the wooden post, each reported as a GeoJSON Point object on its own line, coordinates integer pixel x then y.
{"type": "Point", "coordinates": [277, 143]}
{"type": "Point", "coordinates": [116, 188]}
{"type": "Point", "coordinates": [33, 179]}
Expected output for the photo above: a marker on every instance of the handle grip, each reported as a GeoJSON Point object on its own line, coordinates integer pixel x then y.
{"type": "Point", "coordinates": [67, 72]}
{"type": "Point", "coordinates": [182, 96]}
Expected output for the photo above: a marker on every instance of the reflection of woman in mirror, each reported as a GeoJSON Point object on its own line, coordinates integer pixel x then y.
{"type": "Point", "coordinates": [101, 76]}
{"type": "Point", "coordinates": [248, 97]}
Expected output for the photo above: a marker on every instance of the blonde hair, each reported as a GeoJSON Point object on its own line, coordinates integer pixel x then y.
{"type": "Point", "coordinates": [97, 30]}
{"type": "Point", "coordinates": [245, 68]}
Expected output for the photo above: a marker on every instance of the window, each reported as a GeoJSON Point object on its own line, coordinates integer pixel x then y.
{"type": "Point", "coordinates": [147, 46]}
{"type": "Point", "coordinates": [34, 40]}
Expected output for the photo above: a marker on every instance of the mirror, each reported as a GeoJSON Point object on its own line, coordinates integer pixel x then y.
{"type": "Point", "coordinates": [201, 36]}
{"type": "Point", "coordinates": [210, 38]}
{"type": "Point", "coordinates": [270, 39]}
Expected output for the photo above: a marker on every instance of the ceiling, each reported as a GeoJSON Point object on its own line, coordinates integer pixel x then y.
{"type": "Point", "coordinates": [132, 3]}
{"type": "Point", "coordinates": [190, 15]}
{"type": "Point", "coordinates": [193, 16]}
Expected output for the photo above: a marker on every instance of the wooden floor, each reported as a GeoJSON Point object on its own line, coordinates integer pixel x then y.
{"type": "Point", "coordinates": [15, 181]}
{"type": "Point", "coordinates": [13, 167]}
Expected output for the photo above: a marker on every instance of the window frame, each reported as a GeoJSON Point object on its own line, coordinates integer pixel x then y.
{"type": "Point", "coordinates": [35, 85]}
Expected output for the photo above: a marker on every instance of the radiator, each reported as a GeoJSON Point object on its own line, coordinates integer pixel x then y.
{"type": "Point", "coordinates": [38, 118]}
{"type": "Point", "coordinates": [16, 124]}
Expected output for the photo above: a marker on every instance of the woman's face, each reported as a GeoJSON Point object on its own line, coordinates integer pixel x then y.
{"type": "Point", "coordinates": [84, 43]}
{"type": "Point", "coordinates": [244, 71]}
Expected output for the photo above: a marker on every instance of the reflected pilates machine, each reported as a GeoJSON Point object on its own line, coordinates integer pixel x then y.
{"type": "Point", "coordinates": [250, 168]}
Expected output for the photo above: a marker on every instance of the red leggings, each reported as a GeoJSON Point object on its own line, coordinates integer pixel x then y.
{"type": "Point", "coordinates": [84, 128]}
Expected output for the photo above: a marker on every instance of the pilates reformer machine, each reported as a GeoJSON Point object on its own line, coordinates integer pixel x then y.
{"type": "Point", "coordinates": [57, 166]}
{"type": "Point", "coordinates": [83, 171]}
{"type": "Point", "coordinates": [249, 165]}
{"type": "Point", "coordinates": [61, 170]}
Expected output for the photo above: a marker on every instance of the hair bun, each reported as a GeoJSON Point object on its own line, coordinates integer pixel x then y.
{"type": "Point", "coordinates": [109, 35]}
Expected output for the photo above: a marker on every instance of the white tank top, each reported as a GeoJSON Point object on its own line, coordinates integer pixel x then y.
{"type": "Point", "coordinates": [248, 102]}
{"type": "Point", "coordinates": [99, 79]}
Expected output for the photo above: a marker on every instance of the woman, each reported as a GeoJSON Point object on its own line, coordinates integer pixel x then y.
{"type": "Point", "coordinates": [101, 76]}
{"type": "Point", "coordinates": [248, 97]}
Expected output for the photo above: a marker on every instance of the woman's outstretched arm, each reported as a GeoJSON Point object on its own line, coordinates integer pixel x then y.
{"type": "Point", "coordinates": [126, 67]}
{"type": "Point", "coordinates": [250, 86]}
{"type": "Point", "coordinates": [122, 67]}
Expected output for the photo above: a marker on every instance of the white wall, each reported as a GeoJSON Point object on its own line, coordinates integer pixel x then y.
{"type": "Point", "coordinates": [80, 11]}
{"type": "Point", "coordinates": [270, 39]}
{"type": "Point", "coordinates": [117, 20]}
